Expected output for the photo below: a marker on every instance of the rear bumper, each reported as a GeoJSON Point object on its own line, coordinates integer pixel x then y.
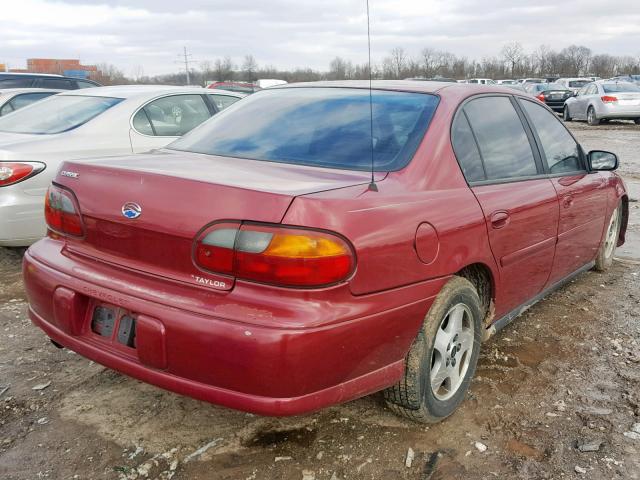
{"type": "Point", "coordinates": [21, 217]}
{"type": "Point", "coordinates": [265, 367]}
{"type": "Point", "coordinates": [556, 105]}
{"type": "Point", "coordinates": [618, 111]}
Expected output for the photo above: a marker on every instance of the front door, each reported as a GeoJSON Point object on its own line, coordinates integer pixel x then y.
{"type": "Point", "coordinates": [519, 203]}
{"type": "Point", "coordinates": [582, 196]}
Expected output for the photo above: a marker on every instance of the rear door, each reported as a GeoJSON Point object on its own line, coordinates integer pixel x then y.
{"type": "Point", "coordinates": [584, 100]}
{"type": "Point", "coordinates": [497, 154]}
{"type": "Point", "coordinates": [165, 119]}
{"type": "Point", "coordinates": [582, 195]}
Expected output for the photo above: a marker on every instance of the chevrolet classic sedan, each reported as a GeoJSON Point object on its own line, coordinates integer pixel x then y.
{"type": "Point", "coordinates": [318, 242]}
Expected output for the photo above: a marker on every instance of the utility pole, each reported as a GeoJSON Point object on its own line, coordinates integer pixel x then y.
{"type": "Point", "coordinates": [186, 63]}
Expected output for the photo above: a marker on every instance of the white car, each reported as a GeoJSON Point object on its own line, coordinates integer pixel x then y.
{"type": "Point", "coordinates": [481, 81]}
{"type": "Point", "coordinates": [573, 84]}
{"type": "Point", "coordinates": [84, 123]}
{"type": "Point", "coordinates": [12, 99]}
{"type": "Point", "coordinates": [604, 100]}
{"type": "Point", "coordinates": [507, 82]}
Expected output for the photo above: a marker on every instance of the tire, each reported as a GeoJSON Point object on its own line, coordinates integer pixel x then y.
{"type": "Point", "coordinates": [636, 121]}
{"type": "Point", "coordinates": [414, 396]}
{"type": "Point", "coordinates": [604, 259]}
{"type": "Point", "coordinates": [565, 114]}
{"type": "Point", "coordinates": [592, 118]}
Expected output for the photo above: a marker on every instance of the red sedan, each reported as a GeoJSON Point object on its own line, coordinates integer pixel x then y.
{"type": "Point", "coordinates": [254, 264]}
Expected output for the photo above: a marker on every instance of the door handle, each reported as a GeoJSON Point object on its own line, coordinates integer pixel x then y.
{"type": "Point", "coordinates": [567, 201]}
{"type": "Point", "coordinates": [499, 219]}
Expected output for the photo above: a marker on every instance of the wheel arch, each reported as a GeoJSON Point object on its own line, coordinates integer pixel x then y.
{"type": "Point", "coordinates": [482, 278]}
{"type": "Point", "coordinates": [624, 200]}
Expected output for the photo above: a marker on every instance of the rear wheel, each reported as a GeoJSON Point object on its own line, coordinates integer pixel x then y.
{"type": "Point", "coordinates": [443, 357]}
{"type": "Point", "coordinates": [610, 241]}
{"type": "Point", "coordinates": [637, 121]}
{"type": "Point", "coordinates": [592, 118]}
{"type": "Point", "coordinates": [565, 114]}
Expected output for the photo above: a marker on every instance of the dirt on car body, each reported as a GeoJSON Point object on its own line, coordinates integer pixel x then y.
{"type": "Point", "coordinates": [556, 393]}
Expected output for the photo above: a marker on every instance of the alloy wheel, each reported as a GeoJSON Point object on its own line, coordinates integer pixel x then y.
{"type": "Point", "coordinates": [452, 351]}
{"type": "Point", "coordinates": [611, 240]}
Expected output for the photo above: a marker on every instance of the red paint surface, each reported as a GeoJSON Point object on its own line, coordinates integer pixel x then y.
{"type": "Point", "coordinates": [280, 351]}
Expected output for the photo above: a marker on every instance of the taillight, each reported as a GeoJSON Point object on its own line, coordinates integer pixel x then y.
{"type": "Point", "coordinates": [609, 99]}
{"type": "Point", "coordinates": [14, 172]}
{"type": "Point", "coordinates": [285, 256]}
{"type": "Point", "coordinates": [541, 97]}
{"type": "Point", "coordinates": [62, 213]}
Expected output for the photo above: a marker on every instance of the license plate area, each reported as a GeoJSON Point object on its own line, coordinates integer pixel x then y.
{"type": "Point", "coordinates": [114, 324]}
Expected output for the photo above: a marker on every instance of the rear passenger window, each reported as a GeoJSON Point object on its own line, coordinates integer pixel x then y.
{"type": "Point", "coordinates": [466, 149]}
{"type": "Point", "coordinates": [60, 83]}
{"type": "Point", "coordinates": [16, 82]}
{"type": "Point", "coordinates": [222, 101]}
{"type": "Point", "coordinates": [83, 84]}
{"type": "Point", "coordinates": [560, 149]}
{"type": "Point", "coordinates": [502, 141]}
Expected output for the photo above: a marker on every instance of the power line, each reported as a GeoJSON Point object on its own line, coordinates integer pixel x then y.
{"type": "Point", "coordinates": [185, 57]}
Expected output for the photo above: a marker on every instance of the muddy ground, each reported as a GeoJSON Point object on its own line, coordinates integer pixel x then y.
{"type": "Point", "coordinates": [564, 375]}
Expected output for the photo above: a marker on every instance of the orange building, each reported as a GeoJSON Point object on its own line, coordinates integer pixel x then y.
{"type": "Point", "coordinates": [55, 65]}
{"type": "Point", "coordinates": [69, 67]}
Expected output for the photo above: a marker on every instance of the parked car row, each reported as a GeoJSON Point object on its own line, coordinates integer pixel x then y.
{"type": "Point", "coordinates": [95, 122]}
{"type": "Point", "coordinates": [582, 98]}
{"type": "Point", "coordinates": [312, 244]}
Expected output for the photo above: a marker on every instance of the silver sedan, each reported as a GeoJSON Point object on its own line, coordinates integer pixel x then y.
{"type": "Point", "coordinates": [604, 100]}
{"type": "Point", "coordinates": [85, 123]}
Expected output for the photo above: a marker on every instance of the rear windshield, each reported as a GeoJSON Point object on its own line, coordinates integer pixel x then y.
{"type": "Point", "coordinates": [540, 87]}
{"type": "Point", "coordinates": [325, 127]}
{"type": "Point", "coordinates": [620, 87]}
{"type": "Point", "coordinates": [56, 114]}
{"type": "Point", "coordinates": [578, 83]}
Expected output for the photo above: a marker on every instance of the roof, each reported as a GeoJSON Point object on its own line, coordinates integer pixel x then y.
{"type": "Point", "coordinates": [29, 74]}
{"type": "Point", "coordinates": [403, 85]}
{"type": "Point", "coordinates": [15, 91]}
{"type": "Point", "coordinates": [130, 91]}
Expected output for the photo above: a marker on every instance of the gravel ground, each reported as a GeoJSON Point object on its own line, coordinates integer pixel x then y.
{"type": "Point", "coordinates": [557, 395]}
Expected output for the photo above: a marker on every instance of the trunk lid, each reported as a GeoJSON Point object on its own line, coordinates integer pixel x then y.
{"type": "Point", "coordinates": [626, 98]}
{"type": "Point", "coordinates": [179, 193]}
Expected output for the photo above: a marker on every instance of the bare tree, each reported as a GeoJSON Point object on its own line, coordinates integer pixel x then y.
{"type": "Point", "coordinates": [223, 69]}
{"type": "Point", "coordinates": [577, 57]}
{"type": "Point", "coordinates": [398, 62]}
{"type": "Point", "coordinates": [512, 54]}
{"type": "Point", "coordinates": [339, 69]}
{"type": "Point", "coordinates": [431, 62]}
{"type": "Point", "coordinates": [108, 74]}
{"type": "Point", "coordinates": [249, 68]}
{"type": "Point", "coordinates": [206, 72]}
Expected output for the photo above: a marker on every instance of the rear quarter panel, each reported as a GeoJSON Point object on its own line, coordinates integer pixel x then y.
{"type": "Point", "coordinates": [382, 225]}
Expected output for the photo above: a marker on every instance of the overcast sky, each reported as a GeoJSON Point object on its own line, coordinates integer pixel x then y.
{"type": "Point", "coordinates": [290, 33]}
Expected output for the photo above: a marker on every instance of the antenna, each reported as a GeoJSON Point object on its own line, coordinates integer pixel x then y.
{"type": "Point", "coordinates": [372, 186]}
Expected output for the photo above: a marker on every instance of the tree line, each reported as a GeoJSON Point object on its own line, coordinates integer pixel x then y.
{"type": "Point", "coordinates": [512, 62]}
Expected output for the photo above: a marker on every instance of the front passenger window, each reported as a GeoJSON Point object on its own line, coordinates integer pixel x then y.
{"type": "Point", "coordinates": [560, 149]}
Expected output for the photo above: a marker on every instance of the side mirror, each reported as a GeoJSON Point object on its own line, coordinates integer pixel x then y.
{"type": "Point", "coordinates": [602, 161]}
